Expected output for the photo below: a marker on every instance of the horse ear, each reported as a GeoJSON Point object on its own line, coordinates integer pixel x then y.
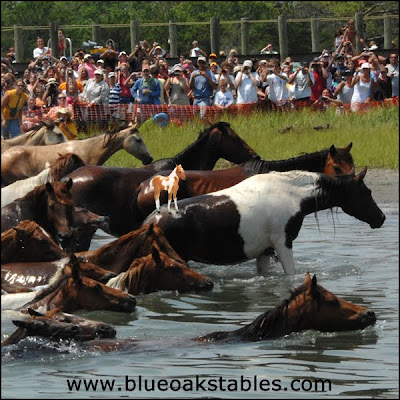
{"type": "Point", "coordinates": [314, 283]}
{"type": "Point", "coordinates": [69, 184]}
{"type": "Point", "coordinates": [332, 150]}
{"type": "Point", "coordinates": [307, 279]}
{"type": "Point", "coordinates": [151, 228]}
{"type": "Point", "coordinates": [156, 254]}
{"type": "Point", "coordinates": [75, 270]}
{"type": "Point", "coordinates": [34, 313]}
{"type": "Point", "coordinates": [361, 175]}
{"type": "Point", "coordinates": [348, 147]}
{"type": "Point", "coordinates": [19, 323]}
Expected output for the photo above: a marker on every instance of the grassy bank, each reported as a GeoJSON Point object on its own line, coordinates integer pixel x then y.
{"type": "Point", "coordinates": [375, 136]}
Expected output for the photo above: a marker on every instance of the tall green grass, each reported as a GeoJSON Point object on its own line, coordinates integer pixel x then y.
{"type": "Point", "coordinates": [375, 136]}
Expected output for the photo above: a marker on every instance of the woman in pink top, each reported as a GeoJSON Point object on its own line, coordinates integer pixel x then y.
{"type": "Point", "coordinates": [88, 65]}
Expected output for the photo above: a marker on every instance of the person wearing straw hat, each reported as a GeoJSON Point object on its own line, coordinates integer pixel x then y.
{"type": "Point", "coordinates": [66, 124]}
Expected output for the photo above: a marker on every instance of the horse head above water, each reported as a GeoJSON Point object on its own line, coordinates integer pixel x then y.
{"type": "Point", "coordinates": [157, 271]}
{"type": "Point", "coordinates": [310, 306]}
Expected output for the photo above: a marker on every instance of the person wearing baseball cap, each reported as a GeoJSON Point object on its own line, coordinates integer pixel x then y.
{"type": "Point", "coordinates": [146, 90]}
{"type": "Point", "coordinates": [247, 83]}
{"type": "Point", "coordinates": [88, 65]}
{"type": "Point", "coordinates": [362, 88]}
{"type": "Point", "coordinates": [203, 83]}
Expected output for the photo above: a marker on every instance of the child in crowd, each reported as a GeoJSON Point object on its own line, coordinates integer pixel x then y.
{"type": "Point", "coordinates": [223, 98]}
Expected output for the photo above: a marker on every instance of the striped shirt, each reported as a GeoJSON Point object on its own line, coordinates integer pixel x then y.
{"type": "Point", "coordinates": [115, 94]}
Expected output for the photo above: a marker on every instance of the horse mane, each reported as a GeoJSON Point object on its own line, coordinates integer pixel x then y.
{"type": "Point", "coordinates": [48, 123]}
{"type": "Point", "coordinates": [64, 165]}
{"type": "Point", "coordinates": [109, 136]}
{"type": "Point", "coordinates": [27, 225]}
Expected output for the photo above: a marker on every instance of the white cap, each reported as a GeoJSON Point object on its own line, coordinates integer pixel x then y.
{"type": "Point", "coordinates": [373, 47]}
{"type": "Point", "coordinates": [202, 58]}
{"type": "Point", "coordinates": [87, 56]}
{"type": "Point", "coordinates": [247, 63]}
{"type": "Point", "coordinates": [98, 72]}
{"type": "Point", "coordinates": [111, 74]}
{"type": "Point", "coordinates": [365, 65]}
{"type": "Point", "coordinates": [63, 58]}
{"type": "Point", "coordinates": [100, 61]}
{"type": "Point", "coordinates": [122, 52]}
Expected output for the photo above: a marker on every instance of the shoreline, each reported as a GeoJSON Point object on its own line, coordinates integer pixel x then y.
{"type": "Point", "coordinates": [384, 184]}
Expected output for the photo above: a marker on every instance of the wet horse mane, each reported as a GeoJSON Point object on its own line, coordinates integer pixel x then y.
{"type": "Point", "coordinates": [309, 161]}
{"type": "Point", "coordinates": [64, 165]}
{"type": "Point", "coordinates": [11, 235]}
{"type": "Point", "coordinates": [39, 195]}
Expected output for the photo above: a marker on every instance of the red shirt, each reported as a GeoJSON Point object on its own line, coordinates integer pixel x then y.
{"type": "Point", "coordinates": [318, 87]}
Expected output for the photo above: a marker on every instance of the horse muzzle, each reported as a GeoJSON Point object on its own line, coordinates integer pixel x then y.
{"type": "Point", "coordinates": [368, 318]}
{"type": "Point", "coordinates": [127, 304]}
{"type": "Point", "coordinates": [147, 160]}
{"type": "Point", "coordinates": [379, 222]}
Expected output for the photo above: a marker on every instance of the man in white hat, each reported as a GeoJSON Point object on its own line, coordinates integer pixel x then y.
{"type": "Point", "coordinates": [246, 84]}
{"type": "Point", "coordinates": [202, 82]}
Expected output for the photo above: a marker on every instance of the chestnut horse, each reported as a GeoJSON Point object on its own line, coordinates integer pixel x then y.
{"type": "Point", "coordinates": [261, 213]}
{"type": "Point", "coordinates": [21, 162]}
{"type": "Point", "coordinates": [335, 161]}
{"type": "Point", "coordinates": [49, 205]}
{"type": "Point", "coordinates": [65, 164]}
{"type": "Point", "coordinates": [118, 255]}
{"type": "Point", "coordinates": [157, 271]}
{"type": "Point", "coordinates": [46, 133]}
{"type": "Point", "coordinates": [112, 191]}
{"type": "Point", "coordinates": [170, 184]}
{"type": "Point", "coordinates": [72, 292]}
{"type": "Point", "coordinates": [310, 306]}
{"type": "Point", "coordinates": [58, 325]}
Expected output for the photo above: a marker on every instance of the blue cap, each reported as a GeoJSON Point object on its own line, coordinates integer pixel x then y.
{"type": "Point", "coordinates": [161, 119]}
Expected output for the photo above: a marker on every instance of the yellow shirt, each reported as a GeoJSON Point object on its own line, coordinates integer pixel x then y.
{"type": "Point", "coordinates": [72, 127]}
{"type": "Point", "coordinates": [12, 103]}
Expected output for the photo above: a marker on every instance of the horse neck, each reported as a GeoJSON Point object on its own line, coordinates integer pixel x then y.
{"type": "Point", "coordinates": [44, 177]}
{"type": "Point", "coordinates": [98, 154]}
{"type": "Point", "coordinates": [19, 140]}
{"type": "Point", "coordinates": [313, 162]}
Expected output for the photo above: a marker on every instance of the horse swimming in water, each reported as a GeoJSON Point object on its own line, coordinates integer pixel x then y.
{"type": "Point", "coordinates": [170, 184]}
{"type": "Point", "coordinates": [261, 213]}
{"type": "Point", "coordinates": [310, 306]}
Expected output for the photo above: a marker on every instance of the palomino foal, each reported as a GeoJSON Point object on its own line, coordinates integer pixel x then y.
{"type": "Point", "coordinates": [170, 183]}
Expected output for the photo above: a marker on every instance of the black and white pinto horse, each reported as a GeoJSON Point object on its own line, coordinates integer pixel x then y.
{"type": "Point", "coordinates": [261, 213]}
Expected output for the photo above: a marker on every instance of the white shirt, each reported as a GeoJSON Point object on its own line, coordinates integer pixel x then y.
{"type": "Point", "coordinates": [223, 99]}
{"type": "Point", "coordinates": [301, 87]}
{"type": "Point", "coordinates": [246, 90]}
{"type": "Point", "coordinates": [277, 88]}
{"type": "Point", "coordinates": [38, 52]}
{"type": "Point", "coordinates": [395, 78]}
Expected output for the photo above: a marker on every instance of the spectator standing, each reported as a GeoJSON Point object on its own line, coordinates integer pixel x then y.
{"type": "Point", "coordinates": [225, 75]}
{"type": "Point", "coordinates": [12, 104]}
{"type": "Point", "coordinates": [303, 80]}
{"type": "Point", "coordinates": [88, 65]}
{"type": "Point", "coordinates": [195, 51]}
{"type": "Point", "coordinates": [110, 57]}
{"type": "Point", "coordinates": [344, 91]}
{"type": "Point", "coordinates": [202, 82]}
{"type": "Point", "coordinates": [51, 92]}
{"type": "Point", "coordinates": [383, 88]}
{"type": "Point", "coordinates": [393, 73]}
{"type": "Point", "coordinates": [124, 80]}
{"type": "Point", "coordinates": [137, 56]}
{"type": "Point", "coordinates": [115, 96]}
{"type": "Point", "coordinates": [223, 97]}
{"type": "Point", "coordinates": [31, 116]}
{"type": "Point", "coordinates": [268, 49]}
{"type": "Point", "coordinates": [40, 49]}
{"type": "Point", "coordinates": [177, 87]}
{"type": "Point", "coordinates": [278, 93]}
{"type": "Point", "coordinates": [154, 72]}
{"type": "Point", "coordinates": [320, 74]}
{"type": "Point", "coordinates": [246, 84]}
{"type": "Point", "coordinates": [362, 88]}
{"type": "Point", "coordinates": [351, 34]}
{"type": "Point", "coordinates": [146, 89]}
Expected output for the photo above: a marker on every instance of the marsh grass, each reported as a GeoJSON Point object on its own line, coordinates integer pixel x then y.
{"type": "Point", "coordinates": [375, 136]}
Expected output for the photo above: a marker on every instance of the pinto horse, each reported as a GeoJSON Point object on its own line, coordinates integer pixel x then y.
{"type": "Point", "coordinates": [112, 191]}
{"type": "Point", "coordinates": [72, 292]}
{"type": "Point", "coordinates": [49, 205]}
{"type": "Point", "coordinates": [65, 164]}
{"type": "Point", "coordinates": [261, 213]}
{"type": "Point", "coordinates": [335, 161]}
{"type": "Point", "coordinates": [310, 306]}
{"type": "Point", "coordinates": [21, 162]}
{"type": "Point", "coordinates": [46, 133]}
{"type": "Point", "coordinates": [157, 271]}
{"type": "Point", "coordinates": [170, 184]}
{"type": "Point", "coordinates": [58, 325]}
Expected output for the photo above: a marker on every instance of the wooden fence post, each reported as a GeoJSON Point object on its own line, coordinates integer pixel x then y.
{"type": "Point", "coordinates": [387, 32]}
{"type": "Point", "coordinates": [283, 39]}
{"type": "Point", "coordinates": [244, 35]}
{"type": "Point", "coordinates": [96, 33]}
{"type": "Point", "coordinates": [360, 30]}
{"type": "Point", "coordinates": [134, 31]}
{"type": "Point", "coordinates": [315, 43]}
{"type": "Point", "coordinates": [19, 44]}
{"type": "Point", "coordinates": [173, 40]}
{"type": "Point", "coordinates": [54, 38]}
{"type": "Point", "coordinates": [214, 35]}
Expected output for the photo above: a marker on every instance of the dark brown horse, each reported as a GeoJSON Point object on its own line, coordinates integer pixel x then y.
{"type": "Point", "coordinates": [49, 205]}
{"type": "Point", "coordinates": [157, 271]}
{"type": "Point", "coordinates": [335, 161]}
{"type": "Point", "coordinates": [118, 255]}
{"type": "Point", "coordinates": [112, 191]}
{"type": "Point", "coordinates": [58, 325]}
{"type": "Point", "coordinates": [28, 241]}
{"type": "Point", "coordinates": [310, 306]}
{"type": "Point", "coordinates": [73, 292]}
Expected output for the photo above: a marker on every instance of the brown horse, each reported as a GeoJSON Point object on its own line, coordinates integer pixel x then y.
{"type": "Point", "coordinates": [28, 241]}
{"type": "Point", "coordinates": [21, 162]}
{"type": "Point", "coordinates": [46, 133]}
{"type": "Point", "coordinates": [335, 161]}
{"type": "Point", "coordinates": [65, 164]}
{"type": "Point", "coordinates": [118, 255]}
{"type": "Point", "coordinates": [112, 191]}
{"type": "Point", "coordinates": [58, 325]}
{"type": "Point", "coordinates": [73, 292]}
{"type": "Point", "coordinates": [22, 276]}
{"type": "Point", "coordinates": [157, 271]}
{"type": "Point", "coordinates": [49, 205]}
{"type": "Point", "coordinates": [310, 306]}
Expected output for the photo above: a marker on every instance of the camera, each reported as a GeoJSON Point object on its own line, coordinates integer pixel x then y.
{"type": "Point", "coordinates": [117, 69]}
{"type": "Point", "coordinates": [60, 119]}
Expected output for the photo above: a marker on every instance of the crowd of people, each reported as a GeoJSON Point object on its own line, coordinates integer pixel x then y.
{"type": "Point", "coordinates": [89, 89]}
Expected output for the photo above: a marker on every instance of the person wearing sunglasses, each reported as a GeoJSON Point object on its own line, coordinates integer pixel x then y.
{"type": "Point", "coordinates": [393, 72]}
{"type": "Point", "coordinates": [12, 103]}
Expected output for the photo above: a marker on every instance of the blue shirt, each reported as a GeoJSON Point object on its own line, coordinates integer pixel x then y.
{"type": "Point", "coordinates": [201, 86]}
{"type": "Point", "coordinates": [147, 98]}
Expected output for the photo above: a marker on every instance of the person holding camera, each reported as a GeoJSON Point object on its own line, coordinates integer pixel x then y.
{"type": "Point", "coordinates": [278, 93]}
{"type": "Point", "coordinates": [247, 83]}
{"type": "Point", "coordinates": [362, 83]}
{"type": "Point", "coordinates": [12, 103]}
{"type": "Point", "coordinates": [321, 74]}
{"type": "Point", "coordinates": [303, 81]}
{"type": "Point", "coordinates": [344, 91]}
{"type": "Point", "coordinates": [202, 82]}
{"type": "Point", "coordinates": [177, 87]}
{"type": "Point", "coordinates": [51, 93]}
{"type": "Point", "coordinates": [110, 57]}
{"type": "Point", "coordinates": [326, 101]}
